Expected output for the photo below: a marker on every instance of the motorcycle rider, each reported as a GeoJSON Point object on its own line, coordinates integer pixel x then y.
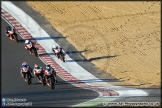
{"type": "Point", "coordinates": [10, 30]}
{"type": "Point", "coordinates": [29, 45]}
{"type": "Point", "coordinates": [56, 50]}
{"type": "Point", "coordinates": [38, 73]}
{"type": "Point", "coordinates": [50, 70]}
{"type": "Point", "coordinates": [25, 64]}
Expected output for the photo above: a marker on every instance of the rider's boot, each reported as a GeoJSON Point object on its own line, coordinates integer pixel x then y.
{"type": "Point", "coordinates": [47, 82]}
{"type": "Point", "coordinates": [39, 79]}
{"type": "Point", "coordinates": [25, 79]}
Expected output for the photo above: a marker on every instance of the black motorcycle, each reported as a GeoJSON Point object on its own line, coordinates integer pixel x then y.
{"type": "Point", "coordinates": [29, 78]}
{"type": "Point", "coordinates": [51, 81]}
{"type": "Point", "coordinates": [34, 51]}
{"type": "Point", "coordinates": [61, 55]}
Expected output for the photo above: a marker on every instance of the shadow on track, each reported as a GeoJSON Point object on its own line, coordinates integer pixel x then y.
{"type": "Point", "coordinates": [91, 59]}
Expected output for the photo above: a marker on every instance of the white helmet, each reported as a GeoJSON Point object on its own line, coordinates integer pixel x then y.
{"type": "Point", "coordinates": [48, 66]}
{"type": "Point", "coordinates": [27, 41]}
{"type": "Point", "coordinates": [24, 64]}
{"type": "Point", "coordinates": [54, 46]}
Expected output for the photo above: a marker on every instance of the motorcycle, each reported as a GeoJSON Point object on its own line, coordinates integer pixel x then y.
{"type": "Point", "coordinates": [33, 49]}
{"type": "Point", "coordinates": [27, 72]}
{"type": "Point", "coordinates": [11, 34]}
{"type": "Point", "coordinates": [40, 72]}
{"type": "Point", "coordinates": [60, 55]}
{"type": "Point", "coordinates": [50, 79]}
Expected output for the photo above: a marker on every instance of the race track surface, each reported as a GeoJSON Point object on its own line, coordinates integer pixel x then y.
{"type": "Point", "coordinates": [13, 85]}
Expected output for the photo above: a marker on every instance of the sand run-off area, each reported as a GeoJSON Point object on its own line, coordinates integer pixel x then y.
{"type": "Point", "coordinates": [122, 38]}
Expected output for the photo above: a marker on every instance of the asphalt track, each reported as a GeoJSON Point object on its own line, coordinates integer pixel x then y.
{"type": "Point", "coordinates": [13, 85]}
{"type": "Point", "coordinates": [64, 94]}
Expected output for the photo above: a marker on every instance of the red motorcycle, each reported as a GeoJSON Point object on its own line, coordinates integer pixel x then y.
{"type": "Point", "coordinates": [33, 49]}
{"type": "Point", "coordinates": [40, 72]}
{"type": "Point", "coordinates": [11, 33]}
{"type": "Point", "coordinates": [59, 53]}
{"type": "Point", "coordinates": [50, 78]}
{"type": "Point", "coordinates": [27, 72]}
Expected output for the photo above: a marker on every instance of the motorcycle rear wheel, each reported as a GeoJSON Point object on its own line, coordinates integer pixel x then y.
{"type": "Point", "coordinates": [15, 37]}
{"type": "Point", "coordinates": [62, 57]}
{"type": "Point", "coordinates": [34, 51]}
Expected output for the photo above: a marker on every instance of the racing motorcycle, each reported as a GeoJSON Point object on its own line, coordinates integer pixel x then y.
{"type": "Point", "coordinates": [60, 55]}
{"type": "Point", "coordinates": [40, 72]}
{"type": "Point", "coordinates": [50, 78]}
{"type": "Point", "coordinates": [27, 71]}
{"type": "Point", "coordinates": [11, 33]}
{"type": "Point", "coordinates": [33, 49]}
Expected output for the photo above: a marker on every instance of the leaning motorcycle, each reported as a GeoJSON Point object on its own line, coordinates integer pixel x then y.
{"type": "Point", "coordinates": [41, 74]}
{"type": "Point", "coordinates": [50, 79]}
{"type": "Point", "coordinates": [11, 34]}
{"type": "Point", "coordinates": [60, 55]}
{"type": "Point", "coordinates": [33, 49]}
{"type": "Point", "coordinates": [27, 71]}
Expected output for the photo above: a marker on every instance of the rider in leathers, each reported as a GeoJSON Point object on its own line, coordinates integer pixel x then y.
{"type": "Point", "coordinates": [28, 45]}
{"type": "Point", "coordinates": [10, 30]}
{"type": "Point", "coordinates": [56, 50]}
{"type": "Point", "coordinates": [25, 64]}
{"type": "Point", "coordinates": [38, 71]}
{"type": "Point", "coordinates": [49, 69]}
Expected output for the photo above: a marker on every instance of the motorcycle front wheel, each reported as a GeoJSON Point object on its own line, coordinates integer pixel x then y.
{"type": "Point", "coordinates": [28, 79]}
{"type": "Point", "coordinates": [52, 85]}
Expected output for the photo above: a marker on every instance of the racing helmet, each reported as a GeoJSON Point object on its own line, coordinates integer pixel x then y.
{"type": "Point", "coordinates": [53, 46]}
{"type": "Point", "coordinates": [48, 67]}
{"type": "Point", "coordinates": [57, 47]}
{"type": "Point", "coordinates": [26, 41]}
{"type": "Point", "coordinates": [36, 66]}
{"type": "Point", "coordinates": [25, 64]}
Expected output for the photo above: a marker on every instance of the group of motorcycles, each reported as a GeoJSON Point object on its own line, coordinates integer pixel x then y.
{"type": "Point", "coordinates": [11, 33]}
{"type": "Point", "coordinates": [51, 79]}
{"type": "Point", "coordinates": [45, 77]}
